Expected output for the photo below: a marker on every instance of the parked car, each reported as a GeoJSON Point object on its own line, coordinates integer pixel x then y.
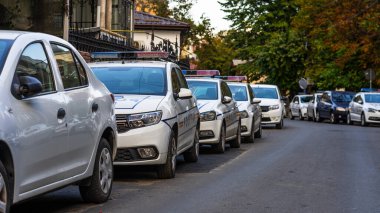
{"type": "Point", "coordinates": [250, 111]}
{"type": "Point", "coordinates": [364, 108]}
{"type": "Point", "coordinates": [220, 121]}
{"type": "Point", "coordinates": [333, 106]}
{"type": "Point", "coordinates": [298, 106]}
{"type": "Point", "coordinates": [272, 106]}
{"type": "Point", "coordinates": [312, 106]}
{"type": "Point", "coordinates": [57, 125]}
{"type": "Point", "coordinates": [157, 116]}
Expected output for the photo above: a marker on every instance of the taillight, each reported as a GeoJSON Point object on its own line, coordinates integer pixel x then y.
{"type": "Point", "coordinates": [113, 97]}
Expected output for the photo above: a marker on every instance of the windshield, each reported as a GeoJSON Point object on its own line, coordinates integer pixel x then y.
{"type": "Point", "coordinates": [204, 90]}
{"type": "Point", "coordinates": [306, 99]}
{"type": "Point", "coordinates": [133, 80]}
{"type": "Point", "coordinates": [342, 97]}
{"type": "Point", "coordinates": [239, 93]}
{"type": "Point", "coordinates": [372, 98]}
{"type": "Point", "coordinates": [270, 93]}
{"type": "Point", "coordinates": [5, 45]}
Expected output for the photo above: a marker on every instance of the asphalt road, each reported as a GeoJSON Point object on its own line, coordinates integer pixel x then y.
{"type": "Point", "coordinates": [305, 167]}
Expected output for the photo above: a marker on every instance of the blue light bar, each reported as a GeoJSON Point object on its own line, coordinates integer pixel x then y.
{"type": "Point", "coordinates": [200, 73]}
{"type": "Point", "coordinates": [233, 78]}
{"type": "Point", "coordinates": [130, 55]}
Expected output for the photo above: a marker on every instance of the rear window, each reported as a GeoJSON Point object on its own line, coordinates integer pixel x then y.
{"type": "Point", "coordinates": [239, 93]}
{"type": "Point", "coordinates": [133, 80]}
{"type": "Point", "coordinates": [270, 93]}
{"type": "Point", "coordinates": [204, 90]}
{"type": "Point", "coordinates": [5, 45]}
{"type": "Point", "coordinates": [306, 99]}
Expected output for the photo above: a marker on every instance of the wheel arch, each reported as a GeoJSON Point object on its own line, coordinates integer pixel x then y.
{"type": "Point", "coordinates": [7, 159]}
{"type": "Point", "coordinates": [110, 135]}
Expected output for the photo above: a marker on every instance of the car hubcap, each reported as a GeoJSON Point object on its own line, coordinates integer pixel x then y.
{"type": "Point", "coordinates": [363, 120]}
{"type": "Point", "coordinates": [174, 154]}
{"type": "Point", "coordinates": [105, 170]}
{"type": "Point", "coordinates": [3, 194]}
{"type": "Point", "coordinates": [332, 118]}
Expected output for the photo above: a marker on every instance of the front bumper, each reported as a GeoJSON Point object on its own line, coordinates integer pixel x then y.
{"type": "Point", "coordinates": [272, 117]}
{"type": "Point", "coordinates": [208, 127]}
{"type": "Point", "coordinates": [155, 137]}
{"type": "Point", "coordinates": [304, 112]}
{"type": "Point", "coordinates": [246, 126]}
{"type": "Point", "coordinates": [373, 117]}
{"type": "Point", "coordinates": [341, 115]}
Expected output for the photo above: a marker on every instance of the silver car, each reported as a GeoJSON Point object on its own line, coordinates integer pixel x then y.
{"type": "Point", "coordinates": [312, 106]}
{"type": "Point", "coordinates": [364, 108]}
{"type": "Point", "coordinates": [57, 121]}
{"type": "Point", "coordinates": [298, 106]}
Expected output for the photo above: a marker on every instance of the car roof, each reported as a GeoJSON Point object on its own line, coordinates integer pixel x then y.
{"type": "Point", "coordinates": [369, 93]}
{"type": "Point", "coordinates": [204, 79]}
{"type": "Point", "coordinates": [10, 34]}
{"type": "Point", "coordinates": [236, 83]}
{"type": "Point", "coordinates": [264, 85]}
{"type": "Point", "coordinates": [129, 63]}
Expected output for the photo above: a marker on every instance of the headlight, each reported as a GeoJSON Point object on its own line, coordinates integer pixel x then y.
{"type": "Point", "coordinates": [273, 107]}
{"type": "Point", "coordinates": [144, 119]}
{"type": "Point", "coordinates": [244, 114]}
{"type": "Point", "coordinates": [208, 116]}
{"type": "Point", "coordinates": [340, 109]}
{"type": "Point", "coordinates": [371, 110]}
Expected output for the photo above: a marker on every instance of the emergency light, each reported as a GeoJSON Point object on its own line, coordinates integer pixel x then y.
{"type": "Point", "coordinates": [200, 73]}
{"type": "Point", "coordinates": [130, 55]}
{"type": "Point", "coordinates": [233, 78]}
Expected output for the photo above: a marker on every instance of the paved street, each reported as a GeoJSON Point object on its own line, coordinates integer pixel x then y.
{"type": "Point", "coordinates": [305, 167]}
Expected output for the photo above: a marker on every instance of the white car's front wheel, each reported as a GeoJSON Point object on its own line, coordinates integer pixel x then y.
{"type": "Point", "coordinates": [193, 154]}
{"type": "Point", "coordinates": [167, 170]}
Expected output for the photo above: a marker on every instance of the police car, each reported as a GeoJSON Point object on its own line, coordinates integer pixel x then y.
{"type": "Point", "coordinates": [250, 111]}
{"type": "Point", "coordinates": [219, 114]}
{"type": "Point", "coordinates": [157, 116]}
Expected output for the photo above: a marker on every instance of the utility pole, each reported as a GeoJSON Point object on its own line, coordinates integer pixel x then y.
{"type": "Point", "coordinates": [66, 11]}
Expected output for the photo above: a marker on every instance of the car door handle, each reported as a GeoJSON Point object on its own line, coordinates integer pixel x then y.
{"type": "Point", "coordinates": [94, 107]}
{"type": "Point", "coordinates": [61, 113]}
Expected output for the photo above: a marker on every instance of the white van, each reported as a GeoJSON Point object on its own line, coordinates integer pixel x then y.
{"type": "Point", "coordinates": [272, 106]}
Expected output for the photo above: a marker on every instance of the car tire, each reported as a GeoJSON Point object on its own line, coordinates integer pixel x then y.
{"type": "Point", "coordinates": [291, 115]}
{"type": "Point", "coordinates": [235, 143]}
{"type": "Point", "coordinates": [251, 137]}
{"type": "Point", "coordinates": [220, 147]}
{"type": "Point", "coordinates": [318, 117]}
{"type": "Point", "coordinates": [5, 190]}
{"type": "Point", "coordinates": [314, 119]}
{"type": "Point", "coordinates": [259, 132]}
{"type": "Point", "coordinates": [280, 125]}
{"type": "Point", "coordinates": [363, 122]}
{"type": "Point", "coordinates": [300, 115]}
{"type": "Point", "coordinates": [333, 119]}
{"type": "Point", "coordinates": [349, 121]}
{"type": "Point", "coordinates": [193, 154]}
{"type": "Point", "coordinates": [100, 186]}
{"type": "Point", "coordinates": [167, 170]}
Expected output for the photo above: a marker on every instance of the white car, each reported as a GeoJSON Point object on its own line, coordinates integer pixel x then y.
{"type": "Point", "coordinates": [157, 116]}
{"type": "Point", "coordinates": [272, 106]}
{"type": "Point", "coordinates": [220, 121]}
{"type": "Point", "coordinates": [57, 124]}
{"type": "Point", "coordinates": [298, 106]}
{"type": "Point", "coordinates": [364, 108]}
{"type": "Point", "coordinates": [250, 111]}
{"type": "Point", "coordinates": [312, 106]}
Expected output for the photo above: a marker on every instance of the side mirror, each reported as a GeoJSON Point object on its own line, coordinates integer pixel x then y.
{"type": "Point", "coordinates": [296, 102]}
{"type": "Point", "coordinates": [185, 93]}
{"type": "Point", "coordinates": [360, 101]}
{"type": "Point", "coordinates": [29, 86]}
{"type": "Point", "coordinates": [254, 101]}
{"type": "Point", "coordinates": [226, 100]}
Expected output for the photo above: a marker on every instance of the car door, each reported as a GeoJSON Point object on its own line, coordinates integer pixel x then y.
{"type": "Point", "coordinates": [358, 108]}
{"type": "Point", "coordinates": [255, 109]}
{"type": "Point", "coordinates": [41, 119]}
{"type": "Point", "coordinates": [81, 109]}
{"type": "Point", "coordinates": [295, 106]}
{"type": "Point", "coordinates": [185, 111]}
{"type": "Point", "coordinates": [230, 111]}
{"type": "Point", "coordinates": [325, 105]}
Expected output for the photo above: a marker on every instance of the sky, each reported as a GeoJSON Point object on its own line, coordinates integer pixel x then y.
{"type": "Point", "coordinates": [212, 10]}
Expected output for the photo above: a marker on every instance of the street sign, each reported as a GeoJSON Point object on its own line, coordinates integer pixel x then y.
{"type": "Point", "coordinates": [302, 83]}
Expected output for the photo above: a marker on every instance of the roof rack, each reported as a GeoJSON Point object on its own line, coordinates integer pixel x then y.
{"type": "Point", "coordinates": [130, 55]}
{"type": "Point", "coordinates": [200, 73]}
{"type": "Point", "coordinates": [233, 78]}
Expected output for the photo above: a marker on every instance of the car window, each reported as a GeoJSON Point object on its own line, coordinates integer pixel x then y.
{"type": "Point", "coordinates": [175, 82]}
{"type": "Point", "coordinates": [342, 97]}
{"type": "Point", "coordinates": [270, 93]}
{"type": "Point", "coordinates": [239, 93]}
{"type": "Point", "coordinates": [182, 79]}
{"type": "Point", "coordinates": [133, 80]}
{"type": "Point", "coordinates": [34, 63]}
{"type": "Point", "coordinates": [306, 99]}
{"type": "Point", "coordinates": [5, 45]}
{"type": "Point", "coordinates": [204, 90]}
{"type": "Point", "coordinates": [372, 98]}
{"type": "Point", "coordinates": [72, 72]}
